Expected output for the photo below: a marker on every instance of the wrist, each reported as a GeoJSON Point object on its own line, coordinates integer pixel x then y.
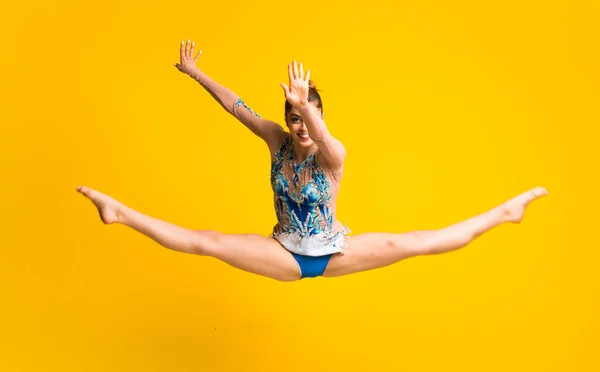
{"type": "Point", "coordinates": [302, 105]}
{"type": "Point", "coordinates": [193, 72]}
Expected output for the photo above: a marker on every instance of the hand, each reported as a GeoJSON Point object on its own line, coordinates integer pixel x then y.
{"type": "Point", "coordinates": [297, 93]}
{"type": "Point", "coordinates": [187, 63]}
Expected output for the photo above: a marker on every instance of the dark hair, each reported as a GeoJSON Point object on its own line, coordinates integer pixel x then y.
{"type": "Point", "coordinates": [313, 96]}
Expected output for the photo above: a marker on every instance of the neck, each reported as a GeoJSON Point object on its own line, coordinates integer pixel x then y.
{"type": "Point", "coordinates": [301, 152]}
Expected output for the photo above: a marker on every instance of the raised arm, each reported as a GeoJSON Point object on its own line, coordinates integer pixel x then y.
{"type": "Point", "coordinates": [271, 132]}
{"type": "Point", "coordinates": [332, 150]}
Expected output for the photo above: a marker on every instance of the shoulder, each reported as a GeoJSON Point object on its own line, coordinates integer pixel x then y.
{"type": "Point", "coordinates": [279, 142]}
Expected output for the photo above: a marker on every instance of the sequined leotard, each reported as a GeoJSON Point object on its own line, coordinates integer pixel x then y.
{"type": "Point", "coordinates": [305, 197]}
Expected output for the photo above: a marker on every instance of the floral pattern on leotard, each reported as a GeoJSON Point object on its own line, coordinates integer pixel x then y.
{"type": "Point", "coordinates": [302, 208]}
{"type": "Point", "coordinates": [240, 102]}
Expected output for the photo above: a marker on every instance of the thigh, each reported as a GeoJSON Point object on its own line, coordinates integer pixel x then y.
{"type": "Point", "coordinates": [373, 250]}
{"type": "Point", "coordinates": [253, 253]}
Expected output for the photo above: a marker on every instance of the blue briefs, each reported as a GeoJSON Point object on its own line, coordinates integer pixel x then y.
{"type": "Point", "coordinates": [310, 266]}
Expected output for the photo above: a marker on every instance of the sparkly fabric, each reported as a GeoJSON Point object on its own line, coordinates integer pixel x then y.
{"type": "Point", "coordinates": [304, 197]}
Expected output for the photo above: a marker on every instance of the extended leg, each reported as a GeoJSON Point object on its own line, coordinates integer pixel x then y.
{"type": "Point", "coordinates": [250, 252]}
{"type": "Point", "coordinates": [374, 250]}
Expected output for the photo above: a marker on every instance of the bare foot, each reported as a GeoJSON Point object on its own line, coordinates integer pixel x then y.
{"type": "Point", "coordinates": [514, 209]}
{"type": "Point", "coordinates": [110, 210]}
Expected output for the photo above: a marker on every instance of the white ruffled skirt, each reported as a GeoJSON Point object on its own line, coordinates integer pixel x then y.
{"type": "Point", "coordinates": [314, 245]}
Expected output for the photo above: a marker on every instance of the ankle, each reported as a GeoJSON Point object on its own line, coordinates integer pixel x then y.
{"type": "Point", "coordinates": [503, 213]}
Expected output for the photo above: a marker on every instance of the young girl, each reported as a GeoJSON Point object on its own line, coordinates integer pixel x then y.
{"type": "Point", "coordinates": [306, 170]}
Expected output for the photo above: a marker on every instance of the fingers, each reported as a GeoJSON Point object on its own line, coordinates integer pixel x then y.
{"type": "Point", "coordinates": [186, 51]}
{"type": "Point", "coordinates": [191, 55]}
{"type": "Point", "coordinates": [198, 55]}
{"type": "Point", "coordinates": [297, 72]}
{"type": "Point", "coordinates": [285, 90]}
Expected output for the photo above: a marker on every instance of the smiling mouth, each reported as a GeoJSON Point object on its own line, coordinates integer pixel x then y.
{"type": "Point", "coordinates": [303, 136]}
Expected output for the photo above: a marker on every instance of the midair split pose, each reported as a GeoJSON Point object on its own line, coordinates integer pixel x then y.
{"type": "Point", "coordinates": [307, 164]}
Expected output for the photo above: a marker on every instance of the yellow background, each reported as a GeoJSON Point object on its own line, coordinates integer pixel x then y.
{"type": "Point", "coordinates": [446, 109]}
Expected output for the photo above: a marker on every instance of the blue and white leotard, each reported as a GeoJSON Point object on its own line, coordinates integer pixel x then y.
{"type": "Point", "coordinates": [304, 197]}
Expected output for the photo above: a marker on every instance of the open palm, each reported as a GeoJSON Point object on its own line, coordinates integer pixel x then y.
{"type": "Point", "coordinates": [297, 92]}
{"type": "Point", "coordinates": [187, 61]}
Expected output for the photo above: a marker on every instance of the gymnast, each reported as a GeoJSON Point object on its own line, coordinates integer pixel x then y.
{"type": "Point", "coordinates": [307, 164]}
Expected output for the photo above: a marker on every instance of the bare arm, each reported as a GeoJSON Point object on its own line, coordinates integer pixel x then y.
{"type": "Point", "coordinates": [271, 132]}
{"type": "Point", "coordinates": [332, 149]}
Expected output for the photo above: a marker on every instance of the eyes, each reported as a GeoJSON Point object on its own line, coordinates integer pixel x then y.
{"type": "Point", "coordinates": [296, 119]}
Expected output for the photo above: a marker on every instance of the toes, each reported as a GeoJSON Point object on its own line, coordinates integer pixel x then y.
{"type": "Point", "coordinates": [540, 191]}
{"type": "Point", "coordinates": [533, 194]}
{"type": "Point", "coordinates": [84, 190]}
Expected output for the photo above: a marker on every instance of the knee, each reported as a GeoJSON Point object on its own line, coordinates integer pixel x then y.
{"type": "Point", "coordinates": [419, 242]}
{"type": "Point", "coordinates": [205, 242]}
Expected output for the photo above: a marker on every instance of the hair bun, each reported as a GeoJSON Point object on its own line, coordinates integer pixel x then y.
{"type": "Point", "coordinates": [311, 85]}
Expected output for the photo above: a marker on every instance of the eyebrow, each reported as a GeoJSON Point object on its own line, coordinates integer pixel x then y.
{"type": "Point", "coordinates": [297, 116]}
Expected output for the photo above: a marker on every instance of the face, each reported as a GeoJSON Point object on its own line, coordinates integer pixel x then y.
{"type": "Point", "coordinates": [298, 128]}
